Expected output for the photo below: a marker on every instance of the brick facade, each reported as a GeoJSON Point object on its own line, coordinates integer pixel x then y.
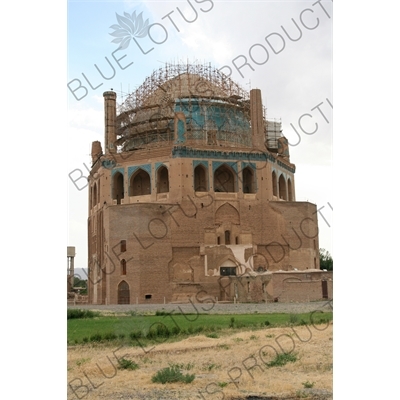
{"type": "Point", "coordinates": [196, 211]}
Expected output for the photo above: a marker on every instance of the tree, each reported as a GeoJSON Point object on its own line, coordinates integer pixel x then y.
{"type": "Point", "coordinates": [78, 282]}
{"type": "Point", "coordinates": [325, 260]}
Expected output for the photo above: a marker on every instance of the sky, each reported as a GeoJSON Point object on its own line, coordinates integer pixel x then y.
{"type": "Point", "coordinates": [283, 48]}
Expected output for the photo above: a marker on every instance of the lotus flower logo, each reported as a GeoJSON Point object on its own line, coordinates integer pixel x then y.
{"type": "Point", "coordinates": [129, 26]}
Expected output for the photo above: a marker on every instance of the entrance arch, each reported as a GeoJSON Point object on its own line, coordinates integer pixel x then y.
{"type": "Point", "coordinates": [123, 293]}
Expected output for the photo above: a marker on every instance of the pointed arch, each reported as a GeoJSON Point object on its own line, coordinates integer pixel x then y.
{"type": "Point", "coordinates": [123, 293]}
{"type": "Point", "coordinates": [140, 183]}
{"type": "Point", "coordinates": [162, 180]}
{"type": "Point", "coordinates": [274, 184]}
{"type": "Point", "coordinates": [227, 213]}
{"type": "Point", "coordinates": [123, 266]}
{"type": "Point", "coordinates": [248, 180]}
{"type": "Point", "coordinates": [200, 179]}
{"type": "Point", "coordinates": [290, 190]}
{"type": "Point", "coordinates": [118, 187]}
{"type": "Point", "coordinates": [94, 195]}
{"type": "Point", "coordinates": [225, 179]}
{"type": "Point", "coordinates": [282, 188]}
{"type": "Point", "coordinates": [227, 237]}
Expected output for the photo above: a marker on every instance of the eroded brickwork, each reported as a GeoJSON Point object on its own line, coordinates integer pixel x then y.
{"type": "Point", "coordinates": [175, 215]}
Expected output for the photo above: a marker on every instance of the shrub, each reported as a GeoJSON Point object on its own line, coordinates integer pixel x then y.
{"type": "Point", "coordinates": [172, 374]}
{"type": "Point", "coordinates": [232, 323]}
{"type": "Point", "coordinates": [187, 366]}
{"type": "Point", "coordinates": [123, 363]}
{"type": "Point", "coordinates": [135, 335]}
{"type": "Point", "coordinates": [110, 336]}
{"type": "Point", "coordinates": [209, 367]}
{"type": "Point", "coordinates": [78, 313]}
{"type": "Point", "coordinates": [212, 335]}
{"type": "Point", "coordinates": [293, 318]}
{"type": "Point", "coordinates": [301, 395]}
{"type": "Point", "coordinates": [158, 330]}
{"type": "Point", "coordinates": [82, 361]}
{"type": "Point", "coordinates": [162, 330]}
{"type": "Point", "coordinates": [282, 359]}
{"type": "Point", "coordinates": [175, 330]}
{"type": "Point", "coordinates": [308, 384]}
{"type": "Point", "coordinates": [267, 323]}
{"type": "Point", "coordinates": [97, 337]}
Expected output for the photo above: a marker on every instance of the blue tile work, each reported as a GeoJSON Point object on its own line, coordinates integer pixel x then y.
{"type": "Point", "coordinates": [217, 164]}
{"type": "Point", "coordinates": [253, 167]}
{"type": "Point", "coordinates": [188, 152]}
{"type": "Point", "coordinates": [115, 170]}
{"type": "Point", "coordinates": [283, 165]}
{"type": "Point", "coordinates": [203, 114]}
{"type": "Point", "coordinates": [158, 165]}
{"type": "Point", "coordinates": [133, 169]}
{"type": "Point", "coordinates": [248, 164]}
{"type": "Point", "coordinates": [205, 165]}
{"type": "Point", "coordinates": [199, 162]}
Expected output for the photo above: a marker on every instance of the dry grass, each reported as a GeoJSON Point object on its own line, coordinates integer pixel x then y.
{"type": "Point", "coordinates": [218, 362]}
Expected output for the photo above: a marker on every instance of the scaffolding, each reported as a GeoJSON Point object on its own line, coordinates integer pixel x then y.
{"type": "Point", "coordinates": [195, 103]}
{"type": "Point", "coordinates": [273, 133]}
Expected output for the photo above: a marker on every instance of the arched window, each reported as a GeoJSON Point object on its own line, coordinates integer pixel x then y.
{"type": "Point", "coordinates": [282, 188]}
{"type": "Point", "coordinates": [123, 267]}
{"type": "Point", "coordinates": [118, 187]}
{"type": "Point", "coordinates": [274, 184]}
{"type": "Point", "coordinates": [162, 180]}
{"type": "Point", "coordinates": [290, 190]}
{"type": "Point", "coordinates": [227, 237]}
{"type": "Point", "coordinates": [123, 293]}
{"type": "Point", "coordinates": [248, 180]}
{"type": "Point", "coordinates": [94, 195]}
{"type": "Point", "coordinates": [224, 179]}
{"type": "Point", "coordinates": [200, 179]}
{"type": "Point", "coordinates": [140, 183]}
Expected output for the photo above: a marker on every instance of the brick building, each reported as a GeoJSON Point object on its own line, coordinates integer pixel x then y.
{"type": "Point", "coordinates": [194, 197]}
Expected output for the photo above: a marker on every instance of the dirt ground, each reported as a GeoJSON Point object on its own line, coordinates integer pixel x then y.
{"type": "Point", "coordinates": [232, 366]}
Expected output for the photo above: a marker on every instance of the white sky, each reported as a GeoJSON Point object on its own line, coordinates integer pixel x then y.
{"type": "Point", "coordinates": [293, 82]}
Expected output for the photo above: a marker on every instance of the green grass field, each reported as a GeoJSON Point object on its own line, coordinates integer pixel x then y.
{"type": "Point", "coordinates": [126, 328]}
